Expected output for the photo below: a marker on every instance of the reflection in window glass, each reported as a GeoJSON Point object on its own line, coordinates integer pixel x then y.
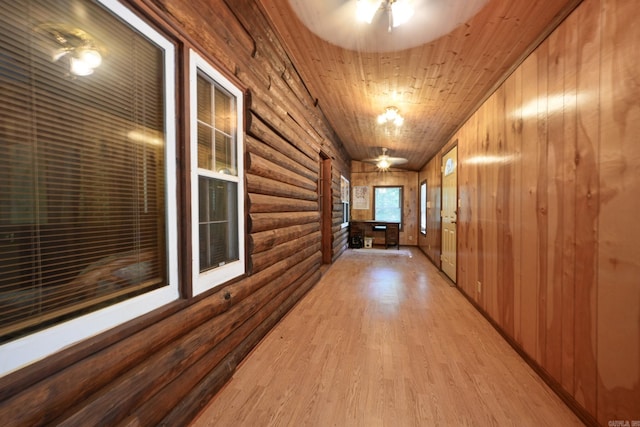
{"type": "Point", "coordinates": [82, 163]}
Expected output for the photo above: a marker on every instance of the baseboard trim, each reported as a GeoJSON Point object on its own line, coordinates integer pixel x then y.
{"type": "Point", "coordinates": [580, 412]}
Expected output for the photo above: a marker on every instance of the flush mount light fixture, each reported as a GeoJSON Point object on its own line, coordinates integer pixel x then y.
{"type": "Point", "coordinates": [74, 45]}
{"type": "Point", "coordinates": [391, 115]}
{"type": "Point", "coordinates": [398, 11]}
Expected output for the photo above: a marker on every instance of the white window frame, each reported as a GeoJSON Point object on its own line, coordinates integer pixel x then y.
{"type": "Point", "coordinates": [24, 351]}
{"type": "Point", "coordinates": [344, 198]}
{"type": "Point", "coordinates": [375, 205]}
{"type": "Point", "coordinates": [423, 207]}
{"type": "Point", "coordinates": [210, 279]}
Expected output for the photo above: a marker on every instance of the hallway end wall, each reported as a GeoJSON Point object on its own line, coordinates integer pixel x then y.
{"type": "Point", "coordinates": [363, 174]}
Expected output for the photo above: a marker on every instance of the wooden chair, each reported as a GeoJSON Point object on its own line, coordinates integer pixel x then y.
{"type": "Point", "coordinates": [392, 236]}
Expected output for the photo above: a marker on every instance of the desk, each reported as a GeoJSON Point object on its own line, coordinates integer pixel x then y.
{"type": "Point", "coordinates": [358, 230]}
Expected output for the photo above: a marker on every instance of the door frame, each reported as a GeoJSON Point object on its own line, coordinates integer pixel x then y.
{"type": "Point", "coordinates": [325, 194]}
{"type": "Point", "coordinates": [457, 208]}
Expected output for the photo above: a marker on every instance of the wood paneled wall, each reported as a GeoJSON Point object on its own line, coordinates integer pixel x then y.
{"type": "Point", "coordinates": [164, 367]}
{"type": "Point", "coordinates": [430, 243]}
{"type": "Point", "coordinates": [369, 175]}
{"type": "Point", "coordinates": [549, 182]}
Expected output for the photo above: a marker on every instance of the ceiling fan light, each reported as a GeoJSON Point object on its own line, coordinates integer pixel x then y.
{"type": "Point", "coordinates": [366, 10]}
{"type": "Point", "coordinates": [383, 164]}
{"type": "Point", "coordinates": [402, 11]}
{"type": "Point", "coordinates": [398, 121]}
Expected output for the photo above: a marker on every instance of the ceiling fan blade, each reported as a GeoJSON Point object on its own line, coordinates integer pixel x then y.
{"type": "Point", "coordinates": [397, 160]}
{"type": "Point", "coordinates": [390, 160]}
{"type": "Point", "coordinates": [374, 160]}
{"type": "Point", "coordinates": [385, 157]}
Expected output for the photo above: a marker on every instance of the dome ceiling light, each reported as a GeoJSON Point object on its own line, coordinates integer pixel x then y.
{"type": "Point", "coordinates": [391, 115]}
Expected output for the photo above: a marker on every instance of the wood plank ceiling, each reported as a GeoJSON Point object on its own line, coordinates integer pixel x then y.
{"type": "Point", "coordinates": [435, 85]}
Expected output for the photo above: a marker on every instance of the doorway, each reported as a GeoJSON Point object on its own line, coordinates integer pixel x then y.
{"type": "Point", "coordinates": [449, 212]}
{"type": "Point", "coordinates": [324, 189]}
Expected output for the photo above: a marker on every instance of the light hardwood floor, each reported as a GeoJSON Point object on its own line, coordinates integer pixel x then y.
{"type": "Point", "coordinates": [384, 340]}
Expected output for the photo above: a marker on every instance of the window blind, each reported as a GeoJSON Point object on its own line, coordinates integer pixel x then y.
{"type": "Point", "coordinates": [82, 174]}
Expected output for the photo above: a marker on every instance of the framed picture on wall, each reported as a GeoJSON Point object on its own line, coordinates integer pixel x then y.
{"type": "Point", "coordinates": [360, 197]}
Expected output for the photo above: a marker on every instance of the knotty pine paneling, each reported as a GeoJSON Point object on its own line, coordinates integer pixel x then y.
{"type": "Point", "coordinates": [618, 278]}
{"type": "Point", "coordinates": [528, 192]}
{"type": "Point", "coordinates": [556, 188]}
{"type": "Point", "coordinates": [430, 244]}
{"type": "Point", "coordinates": [568, 245]}
{"type": "Point", "coordinates": [549, 178]}
{"type": "Point", "coordinates": [160, 369]}
{"type": "Point", "coordinates": [513, 183]}
{"type": "Point", "coordinates": [587, 202]}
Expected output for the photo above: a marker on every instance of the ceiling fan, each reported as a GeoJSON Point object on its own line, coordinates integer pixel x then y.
{"type": "Point", "coordinates": [384, 161]}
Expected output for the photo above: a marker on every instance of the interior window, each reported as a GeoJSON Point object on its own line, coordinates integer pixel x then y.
{"type": "Point", "coordinates": [85, 189]}
{"type": "Point", "coordinates": [423, 207]}
{"type": "Point", "coordinates": [217, 181]}
{"type": "Point", "coordinates": [344, 198]}
{"type": "Point", "coordinates": [387, 203]}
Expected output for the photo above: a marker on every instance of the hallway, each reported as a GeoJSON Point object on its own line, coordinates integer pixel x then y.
{"type": "Point", "coordinates": [384, 340]}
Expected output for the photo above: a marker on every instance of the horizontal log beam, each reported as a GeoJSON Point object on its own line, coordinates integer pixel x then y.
{"type": "Point", "coordinates": [264, 240]}
{"type": "Point", "coordinates": [238, 291]}
{"type": "Point", "coordinates": [258, 222]}
{"type": "Point", "coordinates": [264, 133]}
{"type": "Point", "coordinates": [269, 257]}
{"type": "Point", "coordinates": [262, 203]}
{"type": "Point", "coordinates": [286, 126]}
{"type": "Point", "coordinates": [260, 185]}
{"type": "Point", "coordinates": [281, 158]}
{"type": "Point", "coordinates": [209, 26]}
{"type": "Point", "coordinates": [262, 167]}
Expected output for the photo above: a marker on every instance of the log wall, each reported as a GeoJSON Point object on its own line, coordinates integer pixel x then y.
{"type": "Point", "coordinates": [162, 368]}
{"type": "Point", "coordinates": [549, 179]}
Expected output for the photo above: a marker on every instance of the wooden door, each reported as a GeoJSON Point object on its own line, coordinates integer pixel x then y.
{"type": "Point", "coordinates": [449, 212]}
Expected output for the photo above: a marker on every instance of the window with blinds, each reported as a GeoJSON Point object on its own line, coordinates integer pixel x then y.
{"type": "Point", "coordinates": [83, 175]}
{"type": "Point", "coordinates": [217, 177]}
